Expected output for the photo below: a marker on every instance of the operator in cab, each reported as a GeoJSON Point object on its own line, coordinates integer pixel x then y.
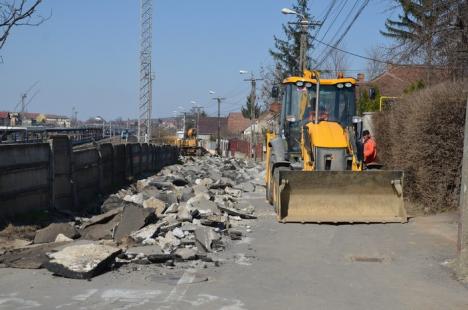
{"type": "Point", "coordinates": [370, 148]}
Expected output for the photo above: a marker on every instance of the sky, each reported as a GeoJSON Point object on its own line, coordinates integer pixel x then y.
{"type": "Point", "coordinates": [86, 55]}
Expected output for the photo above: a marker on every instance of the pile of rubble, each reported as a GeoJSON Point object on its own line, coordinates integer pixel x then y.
{"type": "Point", "coordinates": [186, 212]}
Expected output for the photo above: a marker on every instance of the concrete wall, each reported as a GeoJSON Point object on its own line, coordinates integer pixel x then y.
{"type": "Point", "coordinates": [36, 177]}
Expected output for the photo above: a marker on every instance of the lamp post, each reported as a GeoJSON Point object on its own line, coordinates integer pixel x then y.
{"type": "Point", "coordinates": [304, 23]}
{"type": "Point", "coordinates": [219, 100]}
{"type": "Point", "coordinates": [100, 118]}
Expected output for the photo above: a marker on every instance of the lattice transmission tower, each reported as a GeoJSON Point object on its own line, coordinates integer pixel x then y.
{"type": "Point", "coordinates": [146, 76]}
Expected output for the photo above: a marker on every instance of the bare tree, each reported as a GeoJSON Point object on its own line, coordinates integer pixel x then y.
{"type": "Point", "coordinates": [336, 62]}
{"type": "Point", "coordinates": [17, 13]}
{"type": "Point", "coordinates": [375, 65]}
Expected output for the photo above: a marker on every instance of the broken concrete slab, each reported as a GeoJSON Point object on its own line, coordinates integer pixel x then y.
{"type": "Point", "coordinates": [234, 212]}
{"type": "Point", "coordinates": [62, 238]}
{"type": "Point", "coordinates": [158, 205]}
{"type": "Point", "coordinates": [33, 257]}
{"type": "Point", "coordinates": [233, 192]}
{"type": "Point", "coordinates": [146, 232]}
{"type": "Point", "coordinates": [132, 219]}
{"type": "Point", "coordinates": [169, 242]}
{"type": "Point", "coordinates": [206, 237]}
{"type": "Point", "coordinates": [138, 198]}
{"type": "Point", "coordinates": [103, 218]}
{"type": "Point", "coordinates": [112, 202]}
{"type": "Point", "coordinates": [49, 233]}
{"type": "Point", "coordinates": [204, 205]}
{"type": "Point", "coordinates": [173, 208]}
{"type": "Point", "coordinates": [178, 232]}
{"type": "Point", "coordinates": [186, 193]}
{"type": "Point", "coordinates": [103, 231]}
{"type": "Point", "coordinates": [168, 197]}
{"type": "Point", "coordinates": [159, 258]}
{"type": "Point", "coordinates": [145, 250]}
{"type": "Point", "coordinates": [186, 253]}
{"type": "Point", "coordinates": [245, 187]}
{"type": "Point", "coordinates": [82, 261]}
{"type": "Point", "coordinates": [184, 214]}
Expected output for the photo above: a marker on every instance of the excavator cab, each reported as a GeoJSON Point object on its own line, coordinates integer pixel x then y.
{"type": "Point", "coordinates": [315, 163]}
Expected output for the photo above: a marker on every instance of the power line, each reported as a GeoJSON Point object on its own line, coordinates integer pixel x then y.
{"type": "Point", "coordinates": [358, 13]}
{"type": "Point", "coordinates": [370, 58]}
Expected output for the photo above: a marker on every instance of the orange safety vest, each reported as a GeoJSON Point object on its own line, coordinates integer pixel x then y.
{"type": "Point", "coordinates": [370, 151]}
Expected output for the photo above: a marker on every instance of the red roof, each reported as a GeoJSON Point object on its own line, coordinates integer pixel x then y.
{"type": "Point", "coordinates": [209, 125]}
{"type": "Point", "coordinates": [4, 114]}
{"type": "Point", "coordinates": [397, 78]}
{"type": "Point", "coordinates": [237, 123]}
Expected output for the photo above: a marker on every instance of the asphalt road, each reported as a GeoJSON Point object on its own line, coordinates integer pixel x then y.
{"type": "Point", "coordinates": [277, 266]}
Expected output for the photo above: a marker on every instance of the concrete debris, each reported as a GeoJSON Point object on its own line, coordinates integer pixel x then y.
{"type": "Point", "coordinates": [82, 261]}
{"type": "Point", "coordinates": [186, 253]}
{"type": "Point", "coordinates": [245, 187]}
{"type": "Point", "coordinates": [178, 232]}
{"type": "Point", "coordinates": [173, 208]}
{"type": "Point", "coordinates": [184, 213]}
{"type": "Point", "coordinates": [234, 212]}
{"type": "Point", "coordinates": [50, 233]}
{"type": "Point", "coordinates": [158, 205]}
{"type": "Point", "coordinates": [233, 192]}
{"type": "Point", "coordinates": [33, 257]}
{"type": "Point", "coordinates": [103, 218]}
{"type": "Point", "coordinates": [146, 232]}
{"type": "Point", "coordinates": [102, 231]}
{"type": "Point", "coordinates": [169, 242]}
{"type": "Point", "coordinates": [62, 238]}
{"type": "Point", "coordinates": [206, 237]}
{"type": "Point", "coordinates": [133, 218]}
{"type": "Point", "coordinates": [112, 202]}
{"type": "Point", "coordinates": [138, 198]}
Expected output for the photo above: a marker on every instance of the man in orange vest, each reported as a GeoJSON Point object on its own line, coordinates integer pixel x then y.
{"type": "Point", "coordinates": [370, 148]}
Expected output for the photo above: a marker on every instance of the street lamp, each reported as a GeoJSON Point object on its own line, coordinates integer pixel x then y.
{"type": "Point", "coordinates": [100, 118]}
{"type": "Point", "coordinates": [304, 25]}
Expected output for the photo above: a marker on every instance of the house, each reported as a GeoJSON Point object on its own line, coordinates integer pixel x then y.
{"type": "Point", "coordinates": [208, 127]}
{"type": "Point", "coordinates": [4, 118]}
{"type": "Point", "coordinates": [398, 78]}
{"type": "Point", "coordinates": [237, 123]}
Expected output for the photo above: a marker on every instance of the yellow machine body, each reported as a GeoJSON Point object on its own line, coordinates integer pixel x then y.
{"type": "Point", "coordinates": [320, 176]}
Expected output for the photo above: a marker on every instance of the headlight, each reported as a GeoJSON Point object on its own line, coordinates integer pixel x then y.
{"type": "Point", "coordinates": [308, 84]}
{"type": "Point", "coordinates": [348, 84]}
{"type": "Point", "coordinates": [300, 83]}
{"type": "Point", "coordinates": [291, 118]}
{"type": "Point", "coordinates": [339, 85]}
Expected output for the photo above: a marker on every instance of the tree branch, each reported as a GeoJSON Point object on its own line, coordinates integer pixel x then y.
{"type": "Point", "coordinates": [14, 13]}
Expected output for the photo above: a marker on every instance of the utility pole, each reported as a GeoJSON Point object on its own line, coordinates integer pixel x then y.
{"type": "Point", "coordinates": [305, 24]}
{"type": "Point", "coordinates": [462, 245]}
{"type": "Point", "coordinates": [184, 125]}
{"type": "Point", "coordinates": [252, 99]}
{"type": "Point", "coordinates": [197, 107]}
{"type": "Point", "coordinates": [218, 144]}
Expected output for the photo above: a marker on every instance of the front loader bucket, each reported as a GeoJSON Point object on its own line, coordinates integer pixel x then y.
{"type": "Point", "coordinates": [339, 196]}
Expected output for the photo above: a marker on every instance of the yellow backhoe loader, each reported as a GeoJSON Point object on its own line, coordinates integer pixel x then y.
{"type": "Point", "coordinates": [188, 143]}
{"type": "Point", "coordinates": [314, 162]}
